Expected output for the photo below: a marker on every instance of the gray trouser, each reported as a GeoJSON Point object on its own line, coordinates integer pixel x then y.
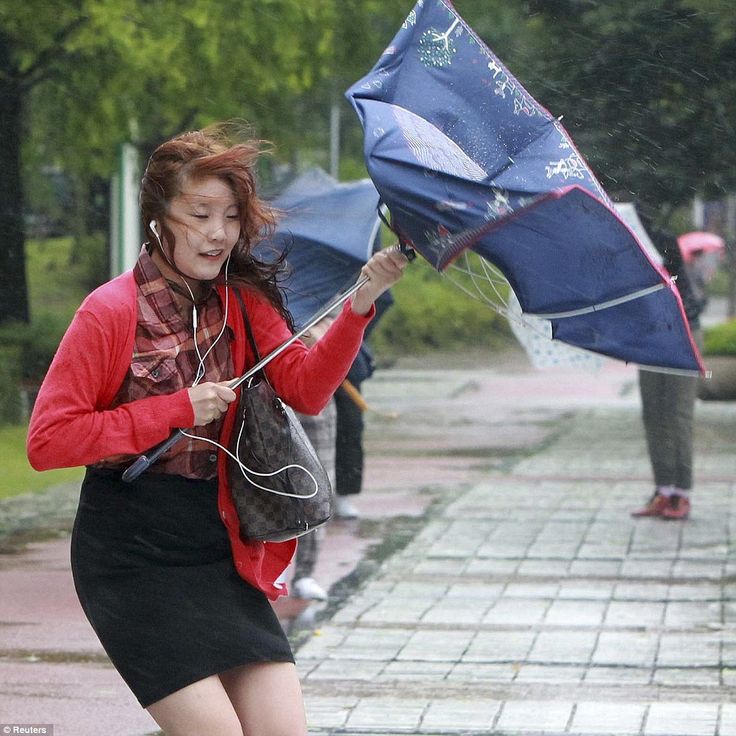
{"type": "Point", "coordinates": [668, 404]}
{"type": "Point", "coordinates": [321, 432]}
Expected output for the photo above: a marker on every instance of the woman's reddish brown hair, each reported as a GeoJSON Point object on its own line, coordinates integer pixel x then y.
{"type": "Point", "coordinates": [205, 153]}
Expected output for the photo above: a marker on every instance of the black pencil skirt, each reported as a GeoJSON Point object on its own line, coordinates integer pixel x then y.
{"type": "Point", "coordinates": [154, 573]}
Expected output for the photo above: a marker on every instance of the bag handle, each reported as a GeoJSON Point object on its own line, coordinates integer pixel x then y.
{"type": "Point", "coordinates": [248, 327]}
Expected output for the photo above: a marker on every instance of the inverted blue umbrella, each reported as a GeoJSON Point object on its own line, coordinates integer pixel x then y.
{"type": "Point", "coordinates": [329, 230]}
{"type": "Point", "coordinates": [466, 160]}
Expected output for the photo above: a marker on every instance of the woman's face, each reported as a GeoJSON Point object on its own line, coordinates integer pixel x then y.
{"type": "Point", "coordinates": [205, 221]}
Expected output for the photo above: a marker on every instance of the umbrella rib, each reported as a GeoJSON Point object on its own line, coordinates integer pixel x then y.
{"type": "Point", "coordinates": [598, 307]}
{"type": "Point", "coordinates": [500, 307]}
{"type": "Point", "coordinates": [372, 238]}
{"type": "Point", "coordinates": [674, 371]}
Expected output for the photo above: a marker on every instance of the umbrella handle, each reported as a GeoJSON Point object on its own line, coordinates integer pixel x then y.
{"type": "Point", "coordinates": [143, 462]}
{"type": "Point", "coordinates": [406, 250]}
{"type": "Point", "coordinates": [404, 247]}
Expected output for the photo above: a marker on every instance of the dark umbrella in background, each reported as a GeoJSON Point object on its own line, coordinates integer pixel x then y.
{"type": "Point", "coordinates": [465, 159]}
{"type": "Point", "coordinates": [329, 230]}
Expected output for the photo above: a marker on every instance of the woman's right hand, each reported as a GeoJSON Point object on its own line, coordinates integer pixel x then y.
{"type": "Point", "coordinates": [210, 401]}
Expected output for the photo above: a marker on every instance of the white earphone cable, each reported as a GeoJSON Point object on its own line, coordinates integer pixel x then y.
{"type": "Point", "coordinates": [245, 470]}
{"type": "Point", "coordinates": [199, 375]}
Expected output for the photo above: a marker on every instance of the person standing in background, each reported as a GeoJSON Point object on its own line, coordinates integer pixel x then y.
{"type": "Point", "coordinates": [668, 400]}
{"type": "Point", "coordinates": [349, 456]}
{"type": "Point", "coordinates": [321, 430]}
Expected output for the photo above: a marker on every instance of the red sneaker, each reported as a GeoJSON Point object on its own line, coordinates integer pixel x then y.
{"type": "Point", "coordinates": [655, 506]}
{"type": "Point", "coordinates": [678, 507]}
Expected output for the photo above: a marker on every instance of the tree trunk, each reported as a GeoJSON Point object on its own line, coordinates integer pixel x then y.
{"type": "Point", "coordinates": [14, 292]}
{"type": "Point", "coordinates": [731, 253]}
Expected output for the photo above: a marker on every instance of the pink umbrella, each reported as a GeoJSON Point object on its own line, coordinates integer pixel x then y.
{"type": "Point", "coordinates": [700, 242]}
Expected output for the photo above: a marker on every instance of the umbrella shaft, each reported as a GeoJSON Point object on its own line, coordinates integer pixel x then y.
{"type": "Point", "coordinates": [312, 322]}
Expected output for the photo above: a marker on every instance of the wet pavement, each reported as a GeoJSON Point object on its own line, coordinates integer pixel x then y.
{"type": "Point", "coordinates": [495, 583]}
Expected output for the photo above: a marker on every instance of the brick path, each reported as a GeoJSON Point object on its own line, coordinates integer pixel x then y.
{"type": "Point", "coordinates": [531, 603]}
{"type": "Point", "coordinates": [498, 584]}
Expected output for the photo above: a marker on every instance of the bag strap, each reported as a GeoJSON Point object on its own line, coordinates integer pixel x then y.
{"type": "Point", "coordinates": [248, 327]}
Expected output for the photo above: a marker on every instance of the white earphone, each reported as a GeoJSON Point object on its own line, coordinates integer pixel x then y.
{"type": "Point", "coordinates": [201, 358]}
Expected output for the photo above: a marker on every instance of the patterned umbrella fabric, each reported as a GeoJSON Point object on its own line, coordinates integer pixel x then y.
{"type": "Point", "coordinates": [465, 159]}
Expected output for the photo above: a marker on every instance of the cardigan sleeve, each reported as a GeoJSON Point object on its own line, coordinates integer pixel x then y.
{"type": "Point", "coordinates": [306, 378]}
{"type": "Point", "coordinates": [71, 425]}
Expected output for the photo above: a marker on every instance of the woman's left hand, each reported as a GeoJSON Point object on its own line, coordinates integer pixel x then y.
{"type": "Point", "coordinates": [383, 270]}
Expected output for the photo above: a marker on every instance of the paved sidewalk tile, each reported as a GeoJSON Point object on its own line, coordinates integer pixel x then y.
{"type": "Point", "coordinates": [609, 718]}
{"type": "Point", "coordinates": [681, 719]}
{"type": "Point", "coordinates": [391, 713]}
{"type": "Point", "coordinates": [536, 716]}
{"type": "Point", "coordinates": [728, 720]}
{"type": "Point", "coordinates": [521, 615]}
{"type": "Point", "coordinates": [460, 715]}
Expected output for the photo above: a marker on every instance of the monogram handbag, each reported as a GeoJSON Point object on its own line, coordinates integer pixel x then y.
{"type": "Point", "coordinates": [278, 484]}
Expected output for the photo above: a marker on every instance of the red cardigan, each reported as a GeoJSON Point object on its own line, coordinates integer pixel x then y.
{"type": "Point", "coordinates": [73, 425]}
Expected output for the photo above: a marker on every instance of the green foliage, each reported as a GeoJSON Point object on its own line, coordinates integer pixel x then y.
{"type": "Point", "coordinates": [647, 87]}
{"type": "Point", "coordinates": [647, 90]}
{"type": "Point", "coordinates": [430, 313]}
{"type": "Point", "coordinates": [18, 476]}
{"type": "Point", "coordinates": [56, 283]}
{"type": "Point", "coordinates": [34, 345]}
{"type": "Point", "coordinates": [91, 255]}
{"type": "Point", "coordinates": [56, 289]}
{"type": "Point", "coordinates": [720, 339]}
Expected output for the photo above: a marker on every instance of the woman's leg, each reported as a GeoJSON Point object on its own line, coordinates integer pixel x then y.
{"type": "Point", "coordinates": [267, 698]}
{"type": "Point", "coordinates": [203, 708]}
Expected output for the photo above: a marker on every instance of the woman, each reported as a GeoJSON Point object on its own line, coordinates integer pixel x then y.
{"type": "Point", "coordinates": [178, 600]}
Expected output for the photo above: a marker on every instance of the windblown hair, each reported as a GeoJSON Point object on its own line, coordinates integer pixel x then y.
{"type": "Point", "coordinates": [211, 152]}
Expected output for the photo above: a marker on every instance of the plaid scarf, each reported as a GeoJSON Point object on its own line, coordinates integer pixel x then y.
{"type": "Point", "coordinates": [165, 360]}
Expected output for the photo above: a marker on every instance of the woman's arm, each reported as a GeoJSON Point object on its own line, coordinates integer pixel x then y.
{"type": "Point", "coordinates": [71, 424]}
{"type": "Point", "coordinates": [306, 378]}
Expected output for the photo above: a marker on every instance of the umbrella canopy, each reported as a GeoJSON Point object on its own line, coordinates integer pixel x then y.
{"type": "Point", "coordinates": [329, 230]}
{"type": "Point", "coordinates": [466, 159]}
{"type": "Point", "coordinates": [700, 242]}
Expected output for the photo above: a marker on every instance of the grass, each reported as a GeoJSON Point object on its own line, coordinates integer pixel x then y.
{"type": "Point", "coordinates": [721, 339]}
{"type": "Point", "coordinates": [55, 291]}
{"type": "Point", "coordinates": [430, 313]}
{"type": "Point", "coordinates": [18, 476]}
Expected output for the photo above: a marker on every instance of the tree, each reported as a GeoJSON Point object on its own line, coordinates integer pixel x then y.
{"type": "Point", "coordinates": [644, 90]}
{"type": "Point", "coordinates": [13, 298]}
{"type": "Point", "coordinates": [78, 78]}
{"type": "Point", "coordinates": [39, 45]}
